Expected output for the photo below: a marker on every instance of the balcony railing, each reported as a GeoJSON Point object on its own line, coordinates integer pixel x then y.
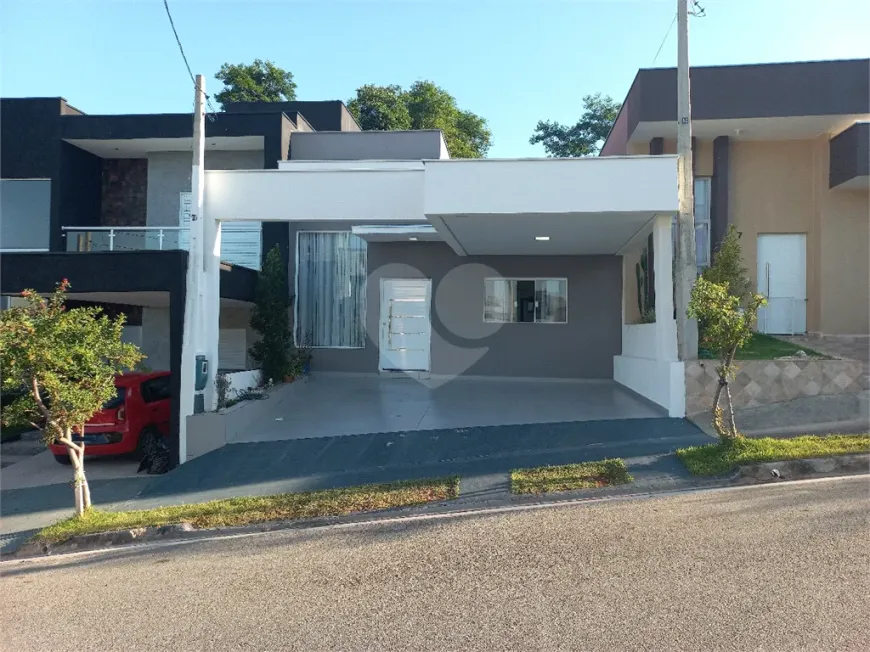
{"type": "Point", "coordinates": [125, 238]}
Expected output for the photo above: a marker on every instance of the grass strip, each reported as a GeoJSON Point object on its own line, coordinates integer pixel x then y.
{"type": "Point", "coordinates": [719, 459]}
{"type": "Point", "coordinates": [766, 347]}
{"type": "Point", "coordinates": [259, 509]}
{"type": "Point", "coordinates": [586, 475]}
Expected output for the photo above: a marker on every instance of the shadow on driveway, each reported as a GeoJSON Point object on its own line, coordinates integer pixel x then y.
{"type": "Point", "coordinates": [311, 464]}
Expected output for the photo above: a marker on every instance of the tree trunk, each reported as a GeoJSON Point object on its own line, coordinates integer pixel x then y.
{"type": "Point", "coordinates": [80, 490]}
{"type": "Point", "coordinates": [718, 424]}
{"type": "Point", "coordinates": [732, 426]}
{"type": "Point", "coordinates": [86, 489]}
{"type": "Point", "coordinates": [77, 484]}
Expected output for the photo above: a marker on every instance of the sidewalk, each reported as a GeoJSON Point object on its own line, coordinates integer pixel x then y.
{"type": "Point", "coordinates": [483, 457]}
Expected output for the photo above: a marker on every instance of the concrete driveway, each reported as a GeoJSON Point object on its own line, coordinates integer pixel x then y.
{"type": "Point", "coordinates": [334, 405]}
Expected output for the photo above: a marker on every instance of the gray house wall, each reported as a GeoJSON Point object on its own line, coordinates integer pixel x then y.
{"type": "Point", "coordinates": [462, 343]}
{"type": "Point", "coordinates": [362, 145]}
{"type": "Point", "coordinates": [169, 175]}
{"type": "Point", "coordinates": [155, 338]}
{"type": "Point", "coordinates": [25, 213]}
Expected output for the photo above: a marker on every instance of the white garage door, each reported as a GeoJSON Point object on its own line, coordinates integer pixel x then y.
{"type": "Point", "coordinates": [782, 278]}
{"type": "Point", "coordinates": [232, 349]}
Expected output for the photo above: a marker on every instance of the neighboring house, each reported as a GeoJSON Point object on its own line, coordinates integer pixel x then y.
{"type": "Point", "coordinates": [104, 201]}
{"type": "Point", "coordinates": [781, 152]}
{"type": "Point", "coordinates": [94, 183]}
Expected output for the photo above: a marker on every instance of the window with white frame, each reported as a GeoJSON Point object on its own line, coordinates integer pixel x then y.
{"type": "Point", "coordinates": [534, 300]}
{"type": "Point", "coordinates": [702, 223]}
{"type": "Point", "coordinates": [331, 271]}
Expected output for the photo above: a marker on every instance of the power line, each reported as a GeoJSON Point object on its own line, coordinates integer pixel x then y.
{"type": "Point", "coordinates": [668, 33]}
{"type": "Point", "coordinates": [187, 65]}
{"type": "Point", "coordinates": [697, 11]}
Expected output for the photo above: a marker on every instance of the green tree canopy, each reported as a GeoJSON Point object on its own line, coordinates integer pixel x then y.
{"type": "Point", "coordinates": [380, 108]}
{"type": "Point", "coordinates": [423, 106]}
{"type": "Point", "coordinates": [261, 81]}
{"type": "Point", "coordinates": [65, 361]}
{"type": "Point", "coordinates": [586, 137]}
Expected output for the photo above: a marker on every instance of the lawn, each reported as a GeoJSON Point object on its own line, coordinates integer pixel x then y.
{"type": "Point", "coordinates": [586, 475]}
{"type": "Point", "coordinates": [259, 509]}
{"type": "Point", "coordinates": [765, 347]}
{"type": "Point", "coordinates": [718, 459]}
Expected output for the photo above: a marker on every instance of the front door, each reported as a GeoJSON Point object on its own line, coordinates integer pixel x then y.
{"type": "Point", "coordinates": [782, 278]}
{"type": "Point", "coordinates": [405, 326]}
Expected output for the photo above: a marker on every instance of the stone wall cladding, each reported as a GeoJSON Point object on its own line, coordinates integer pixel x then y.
{"type": "Point", "coordinates": [125, 192]}
{"type": "Point", "coordinates": [760, 382]}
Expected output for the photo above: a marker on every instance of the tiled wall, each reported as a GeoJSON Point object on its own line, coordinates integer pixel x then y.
{"type": "Point", "coordinates": [125, 192]}
{"type": "Point", "coordinates": [760, 382]}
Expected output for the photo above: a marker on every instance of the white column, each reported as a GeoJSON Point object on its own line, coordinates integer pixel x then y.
{"type": "Point", "coordinates": [210, 330]}
{"type": "Point", "coordinates": [666, 325]}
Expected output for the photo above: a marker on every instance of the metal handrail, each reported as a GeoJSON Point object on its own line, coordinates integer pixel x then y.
{"type": "Point", "coordinates": [116, 230]}
{"type": "Point", "coordinates": [124, 228]}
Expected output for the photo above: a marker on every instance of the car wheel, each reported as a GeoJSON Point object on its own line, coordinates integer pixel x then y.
{"type": "Point", "coordinates": [63, 459]}
{"type": "Point", "coordinates": [147, 440]}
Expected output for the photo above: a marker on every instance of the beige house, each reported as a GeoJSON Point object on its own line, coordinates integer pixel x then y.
{"type": "Point", "coordinates": [781, 152]}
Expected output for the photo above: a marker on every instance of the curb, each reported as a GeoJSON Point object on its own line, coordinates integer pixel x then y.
{"type": "Point", "coordinates": [799, 469]}
{"type": "Point", "coordinates": [745, 475]}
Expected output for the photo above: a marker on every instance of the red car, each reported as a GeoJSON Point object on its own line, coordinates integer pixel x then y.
{"type": "Point", "coordinates": [139, 413]}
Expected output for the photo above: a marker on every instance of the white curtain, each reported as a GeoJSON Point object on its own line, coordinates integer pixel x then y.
{"type": "Point", "coordinates": [499, 300]}
{"type": "Point", "coordinates": [331, 276]}
{"type": "Point", "coordinates": [551, 295]}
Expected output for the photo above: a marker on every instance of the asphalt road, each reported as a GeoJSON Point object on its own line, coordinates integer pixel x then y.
{"type": "Point", "coordinates": [776, 568]}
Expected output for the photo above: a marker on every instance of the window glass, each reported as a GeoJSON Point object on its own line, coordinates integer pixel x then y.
{"type": "Point", "coordinates": [526, 300]}
{"type": "Point", "coordinates": [117, 400]}
{"type": "Point", "coordinates": [331, 297]}
{"type": "Point", "coordinates": [551, 296]}
{"type": "Point", "coordinates": [156, 389]}
{"type": "Point", "coordinates": [499, 302]}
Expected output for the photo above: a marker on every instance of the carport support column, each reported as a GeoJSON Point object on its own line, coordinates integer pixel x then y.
{"type": "Point", "coordinates": [666, 325]}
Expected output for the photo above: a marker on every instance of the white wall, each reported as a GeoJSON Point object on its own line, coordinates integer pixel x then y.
{"type": "Point", "coordinates": [639, 341]}
{"type": "Point", "coordinates": [581, 185]}
{"type": "Point", "coordinates": [384, 191]}
{"type": "Point", "coordinates": [242, 380]}
{"type": "Point", "coordinates": [290, 195]}
{"type": "Point", "coordinates": [662, 382]}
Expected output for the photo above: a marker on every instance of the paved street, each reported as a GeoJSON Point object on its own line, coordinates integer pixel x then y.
{"type": "Point", "coordinates": [776, 568]}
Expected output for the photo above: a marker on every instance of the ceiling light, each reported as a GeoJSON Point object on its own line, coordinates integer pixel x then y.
{"type": "Point", "coordinates": [413, 237]}
{"type": "Point", "coordinates": [542, 238]}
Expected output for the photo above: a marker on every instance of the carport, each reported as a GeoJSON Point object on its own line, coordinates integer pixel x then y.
{"type": "Point", "coordinates": [126, 278]}
{"type": "Point", "coordinates": [330, 405]}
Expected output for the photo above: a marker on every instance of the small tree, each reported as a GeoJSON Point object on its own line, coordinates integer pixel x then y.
{"type": "Point", "coordinates": [270, 318]}
{"type": "Point", "coordinates": [728, 326]}
{"type": "Point", "coordinates": [728, 266]}
{"type": "Point", "coordinates": [66, 361]}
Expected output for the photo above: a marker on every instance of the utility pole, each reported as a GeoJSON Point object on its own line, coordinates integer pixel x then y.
{"type": "Point", "coordinates": [686, 266]}
{"type": "Point", "coordinates": [194, 316]}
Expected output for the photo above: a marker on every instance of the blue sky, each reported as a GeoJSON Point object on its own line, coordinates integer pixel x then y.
{"type": "Point", "coordinates": [513, 62]}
